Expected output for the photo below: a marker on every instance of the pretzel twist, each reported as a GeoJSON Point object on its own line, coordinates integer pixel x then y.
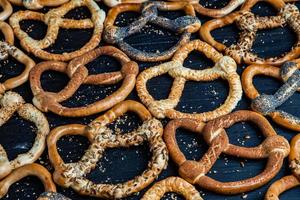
{"type": "Point", "coordinates": [78, 73]}
{"type": "Point", "coordinates": [10, 103]}
{"type": "Point", "coordinates": [275, 148]}
{"type": "Point", "coordinates": [249, 24]}
{"type": "Point", "coordinates": [7, 10]}
{"type": "Point", "coordinates": [38, 4]}
{"type": "Point", "coordinates": [185, 25]}
{"type": "Point", "coordinates": [268, 104]}
{"type": "Point", "coordinates": [54, 19]}
{"type": "Point", "coordinates": [172, 184]}
{"type": "Point", "coordinates": [224, 68]}
{"type": "Point", "coordinates": [101, 137]}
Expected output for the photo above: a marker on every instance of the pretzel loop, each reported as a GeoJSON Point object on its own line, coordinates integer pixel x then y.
{"type": "Point", "coordinates": [294, 156]}
{"type": "Point", "coordinates": [7, 10]}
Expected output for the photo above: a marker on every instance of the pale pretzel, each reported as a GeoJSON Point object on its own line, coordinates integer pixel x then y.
{"type": "Point", "coordinates": [72, 175]}
{"type": "Point", "coordinates": [268, 104]}
{"type": "Point", "coordinates": [38, 4]}
{"type": "Point", "coordinates": [113, 3]}
{"type": "Point", "coordinates": [249, 24]}
{"type": "Point", "coordinates": [172, 184]}
{"type": "Point", "coordinates": [78, 73]}
{"type": "Point", "coordinates": [11, 103]}
{"type": "Point", "coordinates": [288, 182]}
{"type": "Point", "coordinates": [32, 170]}
{"type": "Point", "coordinates": [6, 10]}
{"type": "Point", "coordinates": [185, 25]}
{"type": "Point", "coordinates": [224, 68]}
{"type": "Point", "coordinates": [54, 19]}
{"type": "Point", "coordinates": [275, 148]}
{"type": "Point", "coordinates": [7, 48]}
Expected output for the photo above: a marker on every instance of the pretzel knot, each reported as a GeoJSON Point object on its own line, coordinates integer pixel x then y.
{"type": "Point", "coordinates": [54, 19]}
{"type": "Point", "coordinates": [224, 68]}
{"type": "Point", "coordinates": [78, 73]}
{"type": "Point", "coordinates": [275, 148]}
{"type": "Point", "coordinates": [101, 137]}
{"type": "Point", "coordinates": [185, 25]}
{"type": "Point", "coordinates": [268, 104]}
{"type": "Point", "coordinates": [249, 24]}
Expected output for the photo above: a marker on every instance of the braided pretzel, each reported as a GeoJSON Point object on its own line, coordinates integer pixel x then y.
{"type": "Point", "coordinates": [10, 103]}
{"type": "Point", "coordinates": [185, 25]}
{"type": "Point", "coordinates": [6, 10]}
{"type": "Point", "coordinates": [288, 182]}
{"type": "Point", "coordinates": [275, 148]}
{"type": "Point", "coordinates": [7, 48]}
{"type": "Point", "coordinates": [268, 104]}
{"type": "Point", "coordinates": [54, 19]}
{"type": "Point", "coordinates": [32, 170]}
{"type": "Point", "coordinates": [38, 4]}
{"type": "Point", "coordinates": [249, 24]}
{"type": "Point", "coordinates": [101, 137]}
{"type": "Point", "coordinates": [78, 73]}
{"type": "Point", "coordinates": [224, 68]}
{"type": "Point", "coordinates": [172, 184]}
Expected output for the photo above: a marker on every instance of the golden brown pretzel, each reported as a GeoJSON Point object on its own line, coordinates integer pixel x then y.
{"type": "Point", "coordinates": [268, 104]}
{"type": "Point", "coordinates": [78, 73]}
{"type": "Point", "coordinates": [54, 19]}
{"type": "Point", "coordinates": [38, 4]}
{"type": "Point", "coordinates": [6, 10]}
{"type": "Point", "coordinates": [172, 184]}
{"type": "Point", "coordinates": [72, 175]}
{"type": "Point", "coordinates": [11, 103]}
{"type": "Point", "coordinates": [275, 148]}
{"type": "Point", "coordinates": [249, 24]}
{"type": "Point", "coordinates": [224, 68]}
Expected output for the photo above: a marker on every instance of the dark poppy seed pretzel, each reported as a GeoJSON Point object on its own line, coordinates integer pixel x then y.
{"type": "Point", "coordinates": [185, 25]}
{"type": "Point", "coordinates": [54, 19]}
{"type": "Point", "coordinates": [275, 148]}
{"type": "Point", "coordinates": [72, 175]}
{"type": "Point", "coordinates": [78, 73]}
{"type": "Point", "coordinates": [288, 182]}
{"type": "Point", "coordinates": [6, 10]}
{"type": "Point", "coordinates": [38, 4]}
{"type": "Point", "coordinates": [224, 68]}
{"type": "Point", "coordinates": [268, 104]}
{"type": "Point", "coordinates": [249, 24]}
{"type": "Point", "coordinates": [11, 103]}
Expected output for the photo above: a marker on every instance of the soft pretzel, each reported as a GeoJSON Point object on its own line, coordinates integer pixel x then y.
{"type": "Point", "coordinates": [78, 73]}
{"type": "Point", "coordinates": [11, 103]}
{"type": "Point", "coordinates": [72, 175]}
{"type": "Point", "coordinates": [185, 25]}
{"type": "Point", "coordinates": [54, 19]}
{"type": "Point", "coordinates": [275, 148]}
{"type": "Point", "coordinates": [249, 24]}
{"type": "Point", "coordinates": [224, 68]}
{"type": "Point", "coordinates": [268, 104]}
{"type": "Point", "coordinates": [6, 10]}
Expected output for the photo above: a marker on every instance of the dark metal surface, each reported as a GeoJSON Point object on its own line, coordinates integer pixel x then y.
{"type": "Point", "coordinates": [123, 164]}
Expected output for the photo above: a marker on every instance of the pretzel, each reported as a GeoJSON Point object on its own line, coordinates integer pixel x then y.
{"type": "Point", "coordinates": [72, 175]}
{"type": "Point", "coordinates": [249, 24]}
{"type": "Point", "coordinates": [7, 48]}
{"type": "Point", "coordinates": [6, 10]}
{"type": "Point", "coordinates": [78, 73]}
{"type": "Point", "coordinates": [11, 103]}
{"type": "Point", "coordinates": [224, 68]}
{"type": "Point", "coordinates": [113, 3]}
{"type": "Point", "coordinates": [32, 170]}
{"type": "Point", "coordinates": [54, 19]}
{"type": "Point", "coordinates": [291, 181]}
{"type": "Point", "coordinates": [38, 4]}
{"type": "Point", "coordinates": [172, 184]}
{"type": "Point", "coordinates": [185, 25]}
{"type": "Point", "coordinates": [275, 148]}
{"type": "Point", "coordinates": [268, 104]}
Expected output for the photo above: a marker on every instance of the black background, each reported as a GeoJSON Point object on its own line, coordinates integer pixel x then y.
{"type": "Point", "coordinates": [119, 165]}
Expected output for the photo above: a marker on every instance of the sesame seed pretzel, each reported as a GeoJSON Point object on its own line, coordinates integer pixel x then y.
{"type": "Point", "coordinates": [172, 184]}
{"type": "Point", "coordinates": [268, 104]}
{"type": "Point", "coordinates": [185, 25]}
{"type": "Point", "coordinates": [54, 19]}
{"type": "Point", "coordinates": [38, 4]}
{"type": "Point", "coordinates": [6, 10]}
{"type": "Point", "coordinates": [7, 48]}
{"type": "Point", "coordinates": [224, 68]}
{"type": "Point", "coordinates": [78, 73]}
{"type": "Point", "coordinates": [32, 170]}
{"type": "Point", "coordinates": [101, 137]}
{"type": "Point", "coordinates": [11, 103]}
{"type": "Point", "coordinates": [275, 148]}
{"type": "Point", "coordinates": [249, 24]}
{"type": "Point", "coordinates": [288, 182]}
